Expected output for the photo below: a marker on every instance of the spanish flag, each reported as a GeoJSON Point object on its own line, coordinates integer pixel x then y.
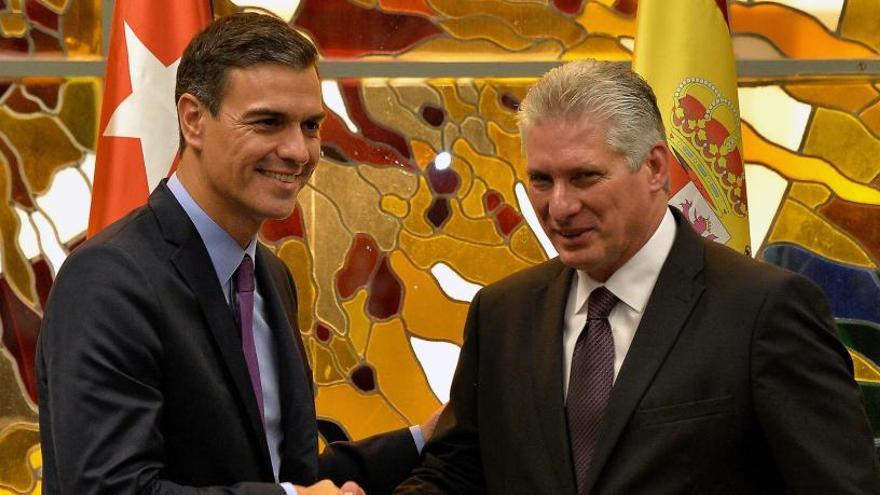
{"type": "Point", "coordinates": [683, 50]}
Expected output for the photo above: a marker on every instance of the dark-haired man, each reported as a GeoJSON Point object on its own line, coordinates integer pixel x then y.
{"type": "Point", "coordinates": [644, 359]}
{"type": "Point", "coordinates": [169, 359]}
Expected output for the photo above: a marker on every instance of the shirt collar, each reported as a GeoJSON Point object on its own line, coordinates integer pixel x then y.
{"type": "Point", "coordinates": [224, 251]}
{"type": "Point", "coordinates": [633, 282]}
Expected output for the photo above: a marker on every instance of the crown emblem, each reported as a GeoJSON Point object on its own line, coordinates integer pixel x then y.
{"type": "Point", "coordinates": [705, 136]}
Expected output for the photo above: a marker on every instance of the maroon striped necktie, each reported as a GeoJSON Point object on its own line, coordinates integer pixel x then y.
{"type": "Point", "coordinates": [589, 386]}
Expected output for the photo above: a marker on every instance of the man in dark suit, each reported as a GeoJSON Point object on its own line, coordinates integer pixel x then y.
{"type": "Point", "coordinates": [169, 359]}
{"type": "Point", "coordinates": [643, 359]}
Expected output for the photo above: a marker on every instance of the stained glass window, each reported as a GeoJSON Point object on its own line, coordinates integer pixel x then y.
{"type": "Point", "coordinates": [419, 200]}
{"type": "Point", "coordinates": [50, 28]}
{"type": "Point", "coordinates": [514, 30]}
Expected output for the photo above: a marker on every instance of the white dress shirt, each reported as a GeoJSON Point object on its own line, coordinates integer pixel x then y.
{"type": "Point", "coordinates": [632, 283]}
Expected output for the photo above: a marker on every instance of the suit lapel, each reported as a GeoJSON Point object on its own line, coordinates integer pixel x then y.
{"type": "Point", "coordinates": [194, 265]}
{"type": "Point", "coordinates": [546, 350]}
{"type": "Point", "coordinates": [675, 294]}
{"type": "Point", "coordinates": [299, 448]}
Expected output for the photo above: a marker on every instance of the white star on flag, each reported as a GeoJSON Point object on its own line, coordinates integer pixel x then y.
{"type": "Point", "coordinates": [148, 113]}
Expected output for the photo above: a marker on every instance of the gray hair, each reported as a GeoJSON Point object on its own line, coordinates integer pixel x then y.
{"type": "Point", "coordinates": [607, 91]}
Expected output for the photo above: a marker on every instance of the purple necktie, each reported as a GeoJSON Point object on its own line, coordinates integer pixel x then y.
{"type": "Point", "coordinates": [244, 291]}
{"type": "Point", "coordinates": [589, 386]}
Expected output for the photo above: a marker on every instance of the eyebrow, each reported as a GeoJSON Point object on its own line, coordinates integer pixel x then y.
{"type": "Point", "coordinates": [268, 112]}
{"type": "Point", "coordinates": [263, 112]}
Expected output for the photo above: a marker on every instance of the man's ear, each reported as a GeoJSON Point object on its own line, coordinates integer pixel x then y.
{"type": "Point", "coordinates": [191, 115]}
{"type": "Point", "coordinates": [657, 164]}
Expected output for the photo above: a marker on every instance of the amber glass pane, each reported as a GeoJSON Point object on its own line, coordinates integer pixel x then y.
{"type": "Point", "coordinates": [82, 28]}
{"type": "Point", "coordinates": [50, 28]}
{"type": "Point", "coordinates": [805, 34]}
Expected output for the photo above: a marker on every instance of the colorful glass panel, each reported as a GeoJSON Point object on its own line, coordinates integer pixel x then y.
{"type": "Point", "coordinates": [47, 140]}
{"type": "Point", "coordinates": [513, 30]}
{"type": "Point", "coordinates": [418, 200]}
{"type": "Point", "coordinates": [50, 28]}
{"type": "Point", "coordinates": [825, 225]}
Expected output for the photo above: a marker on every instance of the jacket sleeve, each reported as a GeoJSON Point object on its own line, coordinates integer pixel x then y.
{"type": "Point", "coordinates": [451, 462]}
{"type": "Point", "coordinates": [809, 407]}
{"type": "Point", "coordinates": [377, 463]}
{"type": "Point", "coordinates": [100, 382]}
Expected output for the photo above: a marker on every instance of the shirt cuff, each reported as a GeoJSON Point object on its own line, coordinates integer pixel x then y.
{"type": "Point", "coordinates": [418, 438]}
{"type": "Point", "coordinates": [288, 489]}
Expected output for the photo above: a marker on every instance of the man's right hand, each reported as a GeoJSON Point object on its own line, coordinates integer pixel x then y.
{"type": "Point", "coordinates": [326, 487]}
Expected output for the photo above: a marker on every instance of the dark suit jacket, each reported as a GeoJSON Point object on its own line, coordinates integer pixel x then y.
{"type": "Point", "coordinates": [143, 387]}
{"type": "Point", "coordinates": [734, 383]}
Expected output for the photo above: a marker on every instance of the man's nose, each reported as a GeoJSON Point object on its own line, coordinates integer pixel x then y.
{"type": "Point", "coordinates": [294, 147]}
{"type": "Point", "coordinates": [563, 202]}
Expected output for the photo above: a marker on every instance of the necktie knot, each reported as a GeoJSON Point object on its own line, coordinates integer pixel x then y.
{"type": "Point", "coordinates": [244, 275]}
{"type": "Point", "coordinates": [600, 303]}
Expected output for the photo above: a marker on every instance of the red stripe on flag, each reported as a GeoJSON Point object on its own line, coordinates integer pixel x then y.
{"type": "Point", "coordinates": [722, 5]}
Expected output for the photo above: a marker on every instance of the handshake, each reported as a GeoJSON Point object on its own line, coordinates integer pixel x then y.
{"type": "Point", "coordinates": [327, 487]}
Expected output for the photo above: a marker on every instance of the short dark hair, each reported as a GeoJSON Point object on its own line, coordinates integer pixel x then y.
{"type": "Point", "coordinates": [237, 41]}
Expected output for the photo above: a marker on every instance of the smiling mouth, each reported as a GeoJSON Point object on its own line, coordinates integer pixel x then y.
{"type": "Point", "coordinates": [279, 176]}
{"type": "Point", "coordinates": [571, 234]}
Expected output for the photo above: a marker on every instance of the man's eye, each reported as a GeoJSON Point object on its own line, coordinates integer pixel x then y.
{"type": "Point", "coordinates": [584, 179]}
{"type": "Point", "coordinates": [312, 126]}
{"type": "Point", "coordinates": [539, 182]}
{"type": "Point", "coordinates": [267, 123]}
